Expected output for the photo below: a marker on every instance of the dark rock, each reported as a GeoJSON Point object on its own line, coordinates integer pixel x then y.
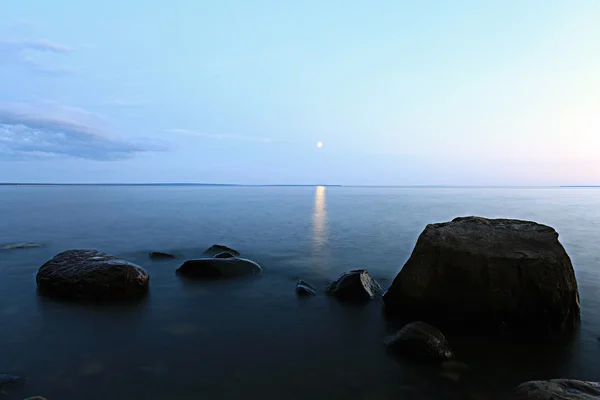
{"type": "Point", "coordinates": [501, 275]}
{"type": "Point", "coordinates": [557, 389]}
{"type": "Point", "coordinates": [92, 275]}
{"type": "Point", "coordinates": [7, 378]}
{"type": "Point", "coordinates": [219, 248]}
{"type": "Point", "coordinates": [14, 246]}
{"type": "Point", "coordinates": [421, 341]}
{"type": "Point", "coordinates": [304, 289]}
{"type": "Point", "coordinates": [218, 268]}
{"type": "Point", "coordinates": [224, 254]}
{"type": "Point", "coordinates": [354, 286]}
{"type": "Point", "coordinates": [157, 255]}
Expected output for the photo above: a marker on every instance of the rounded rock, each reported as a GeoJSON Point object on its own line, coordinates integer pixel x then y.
{"type": "Point", "coordinates": [421, 341]}
{"type": "Point", "coordinates": [91, 275]}
{"type": "Point", "coordinates": [354, 286]}
{"type": "Point", "coordinates": [207, 268]}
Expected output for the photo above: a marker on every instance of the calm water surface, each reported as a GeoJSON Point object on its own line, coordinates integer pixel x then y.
{"type": "Point", "coordinates": [253, 338]}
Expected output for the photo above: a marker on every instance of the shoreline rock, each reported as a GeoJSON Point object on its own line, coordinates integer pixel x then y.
{"type": "Point", "coordinates": [91, 275]}
{"type": "Point", "coordinates": [224, 254]}
{"type": "Point", "coordinates": [504, 276]}
{"type": "Point", "coordinates": [354, 286]}
{"type": "Point", "coordinates": [557, 389]}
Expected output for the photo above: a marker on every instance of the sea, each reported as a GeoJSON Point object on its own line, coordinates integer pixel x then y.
{"type": "Point", "coordinates": [253, 338]}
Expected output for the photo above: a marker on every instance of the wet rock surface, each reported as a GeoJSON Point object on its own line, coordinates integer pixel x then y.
{"type": "Point", "coordinates": [91, 275]}
{"type": "Point", "coordinates": [207, 268]}
{"type": "Point", "coordinates": [557, 389]}
{"type": "Point", "coordinates": [354, 286]}
{"type": "Point", "coordinates": [305, 289]}
{"type": "Point", "coordinates": [420, 341]}
{"type": "Point", "coordinates": [224, 254]}
{"type": "Point", "coordinates": [501, 275]}
{"type": "Point", "coordinates": [219, 248]}
{"type": "Point", "coordinates": [157, 255]}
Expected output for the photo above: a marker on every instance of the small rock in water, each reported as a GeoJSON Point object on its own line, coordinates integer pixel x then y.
{"type": "Point", "coordinates": [224, 254]}
{"type": "Point", "coordinates": [214, 268]}
{"type": "Point", "coordinates": [354, 286]}
{"type": "Point", "coordinates": [36, 398]}
{"type": "Point", "coordinates": [421, 341]}
{"type": "Point", "coordinates": [157, 255]}
{"type": "Point", "coordinates": [219, 248]}
{"type": "Point", "coordinates": [304, 289]}
{"type": "Point", "coordinates": [14, 246]}
{"type": "Point", "coordinates": [7, 378]}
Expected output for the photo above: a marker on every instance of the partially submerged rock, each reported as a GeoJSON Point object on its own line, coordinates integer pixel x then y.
{"type": "Point", "coordinates": [421, 341]}
{"type": "Point", "coordinates": [8, 378]}
{"type": "Point", "coordinates": [224, 254]}
{"type": "Point", "coordinates": [157, 255]}
{"type": "Point", "coordinates": [218, 268]}
{"type": "Point", "coordinates": [218, 248]}
{"type": "Point", "coordinates": [557, 389]}
{"type": "Point", "coordinates": [92, 275]}
{"type": "Point", "coordinates": [14, 246]}
{"type": "Point", "coordinates": [304, 289]}
{"type": "Point", "coordinates": [500, 274]}
{"type": "Point", "coordinates": [354, 286]}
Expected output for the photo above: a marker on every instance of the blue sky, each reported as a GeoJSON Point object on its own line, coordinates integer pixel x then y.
{"type": "Point", "coordinates": [399, 92]}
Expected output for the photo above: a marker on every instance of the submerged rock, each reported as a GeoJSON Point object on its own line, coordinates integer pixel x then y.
{"type": "Point", "coordinates": [92, 275]}
{"type": "Point", "coordinates": [557, 389]}
{"type": "Point", "coordinates": [421, 341]}
{"type": "Point", "coordinates": [219, 248]}
{"type": "Point", "coordinates": [218, 268]}
{"type": "Point", "coordinates": [502, 275]}
{"type": "Point", "coordinates": [224, 254]}
{"type": "Point", "coordinates": [7, 378]}
{"type": "Point", "coordinates": [157, 255]}
{"type": "Point", "coordinates": [14, 246]}
{"type": "Point", "coordinates": [354, 286]}
{"type": "Point", "coordinates": [304, 289]}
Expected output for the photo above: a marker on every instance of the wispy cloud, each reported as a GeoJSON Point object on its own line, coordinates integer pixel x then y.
{"type": "Point", "coordinates": [221, 136]}
{"type": "Point", "coordinates": [20, 52]}
{"type": "Point", "coordinates": [27, 132]}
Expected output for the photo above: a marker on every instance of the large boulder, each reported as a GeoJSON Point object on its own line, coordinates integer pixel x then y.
{"type": "Point", "coordinates": [557, 389]}
{"type": "Point", "coordinates": [218, 268]}
{"type": "Point", "coordinates": [420, 341]}
{"type": "Point", "coordinates": [90, 274]}
{"type": "Point", "coordinates": [354, 286]}
{"type": "Point", "coordinates": [219, 248]}
{"type": "Point", "coordinates": [498, 274]}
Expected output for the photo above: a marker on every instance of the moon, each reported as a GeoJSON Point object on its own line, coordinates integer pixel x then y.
{"type": "Point", "coordinates": [319, 144]}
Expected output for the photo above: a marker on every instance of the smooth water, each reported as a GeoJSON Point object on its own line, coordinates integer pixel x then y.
{"type": "Point", "coordinates": [253, 338]}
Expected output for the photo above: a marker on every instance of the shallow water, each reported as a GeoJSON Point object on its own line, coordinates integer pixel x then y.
{"type": "Point", "coordinates": [253, 337]}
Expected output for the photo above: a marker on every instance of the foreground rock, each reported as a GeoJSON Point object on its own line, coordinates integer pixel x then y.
{"type": "Point", "coordinates": [304, 289]}
{"type": "Point", "coordinates": [557, 389]}
{"type": "Point", "coordinates": [504, 275]}
{"type": "Point", "coordinates": [354, 286]}
{"type": "Point", "coordinates": [218, 268]}
{"type": "Point", "coordinates": [157, 255]}
{"type": "Point", "coordinates": [224, 254]}
{"type": "Point", "coordinates": [421, 341]}
{"type": "Point", "coordinates": [219, 248]}
{"type": "Point", "coordinates": [90, 274]}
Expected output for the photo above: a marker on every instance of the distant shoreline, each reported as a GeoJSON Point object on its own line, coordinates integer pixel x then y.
{"type": "Point", "coordinates": [291, 185]}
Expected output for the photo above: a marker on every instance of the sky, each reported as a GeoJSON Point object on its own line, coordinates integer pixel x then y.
{"type": "Point", "coordinates": [241, 91]}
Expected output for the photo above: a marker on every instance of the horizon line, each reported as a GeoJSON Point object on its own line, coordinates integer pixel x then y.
{"type": "Point", "coordinates": [293, 185]}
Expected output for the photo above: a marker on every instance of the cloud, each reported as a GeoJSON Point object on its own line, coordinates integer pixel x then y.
{"type": "Point", "coordinates": [26, 132]}
{"type": "Point", "coordinates": [222, 136]}
{"type": "Point", "coordinates": [20, 52]}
